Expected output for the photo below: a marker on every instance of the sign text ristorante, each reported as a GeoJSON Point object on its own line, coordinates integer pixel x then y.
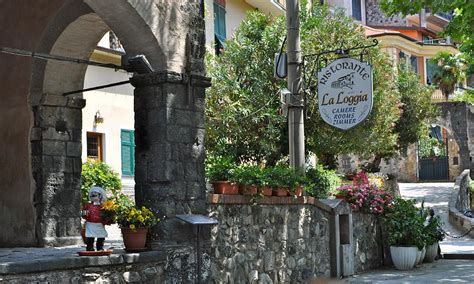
{"type": "Point", "coordinates": [345, 92]}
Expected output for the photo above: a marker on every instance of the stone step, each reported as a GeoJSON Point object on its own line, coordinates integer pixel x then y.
{"type": "Point", "coordinates": [458, 255]}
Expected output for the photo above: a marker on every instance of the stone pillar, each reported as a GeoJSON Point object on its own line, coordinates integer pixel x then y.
{"type": "Point", "coordinates": [169, 153]}
{"type": "Point", "coordinates": [56, 166]}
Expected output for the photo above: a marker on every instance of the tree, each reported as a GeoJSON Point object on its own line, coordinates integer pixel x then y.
{"type": "Point", "coordinates": [460, 28]}
{"type": "Point", "coordinates": [449, 71]}
{"type": "Point", "coordinates": [416, 106]}
{"type": "Point", "coordinates": [243, 102]}
{"type": "Point", "coordinates": [242, 105]}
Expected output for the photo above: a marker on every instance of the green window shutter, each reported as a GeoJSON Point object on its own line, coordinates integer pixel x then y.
{"type": "Point", "coordinates": [219, 22]}
{"type": "Point", "coordinates": [127, 138]}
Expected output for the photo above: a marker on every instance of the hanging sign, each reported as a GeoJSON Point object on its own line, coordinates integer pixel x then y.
{"type": "Point", "coordinates": [345, 92]}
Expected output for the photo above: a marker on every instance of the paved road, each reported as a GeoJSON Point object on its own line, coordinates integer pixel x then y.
{"type": "Point", "coordinates": [436, 196]}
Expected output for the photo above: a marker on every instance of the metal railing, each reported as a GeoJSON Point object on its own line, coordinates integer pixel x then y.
{"type": "Point", "coordinates": [439, 41]}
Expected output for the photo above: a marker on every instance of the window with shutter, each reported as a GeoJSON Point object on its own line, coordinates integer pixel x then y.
{"type": "Point", "coordinates": [127, 138]}
{"type": "Point", "coordinates": [219, 26]}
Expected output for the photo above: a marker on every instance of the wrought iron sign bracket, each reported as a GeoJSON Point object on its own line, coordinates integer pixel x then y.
{"type": "Point", "coordinates": [312, 63]}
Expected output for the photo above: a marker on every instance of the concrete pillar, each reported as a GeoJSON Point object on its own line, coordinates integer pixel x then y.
{"type": "Point", "coordinates": [169, 154]}
{"type": "Point", "coordinates": [56, 166]}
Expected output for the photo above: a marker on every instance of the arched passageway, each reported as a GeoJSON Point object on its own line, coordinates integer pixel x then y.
{"type": "Point", "coordinates": [169, 113]}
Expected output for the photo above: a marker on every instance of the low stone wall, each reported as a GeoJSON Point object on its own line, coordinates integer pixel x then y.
{"type": "Point", "coordinates": [281, 240]}
{"type": "Point", "coordinates": [459, 201]}
{"type": "Point", "coordinates": [168, 265]}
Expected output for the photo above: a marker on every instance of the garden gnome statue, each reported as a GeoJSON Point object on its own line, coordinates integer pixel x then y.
{"type": "Point", "coordinates": [92, 213]}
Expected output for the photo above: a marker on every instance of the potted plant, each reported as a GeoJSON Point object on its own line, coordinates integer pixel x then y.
{"type": "Point", "coordinates": [134, 222]}
{"type": "Point", "coordinates": [320, 181]}
{"type": "Point", "coordinates": [404, 228]}
{"type": "Point", "coordinates": [266, 182]}
{"type": "Point", "coordinates": [249, 178]}
{"type": "Point", "coordinates": [219, 172]}
{"type": "Point", "coordinates": [278, 180]}
{"type": "Point", "coordinates": [433, 235]}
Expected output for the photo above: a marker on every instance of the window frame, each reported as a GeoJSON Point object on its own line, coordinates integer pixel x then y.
{"type": "Point", "coordinates": [100, 145]}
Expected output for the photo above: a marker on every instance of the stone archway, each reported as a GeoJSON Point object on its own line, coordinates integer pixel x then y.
{"type": "Point", "coordinates": [169, 112]}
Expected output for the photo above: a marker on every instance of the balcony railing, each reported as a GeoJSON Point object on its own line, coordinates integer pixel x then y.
{"type": "Point", "coordinates": [437, 96]}
{"type": "Point", "coordinates": [438, 41]}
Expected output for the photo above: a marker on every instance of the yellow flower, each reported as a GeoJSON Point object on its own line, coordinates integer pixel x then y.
{"type": "Point", "coordinates": [109, 205]}
{"type": "Point", "coordinates": [132, 226]}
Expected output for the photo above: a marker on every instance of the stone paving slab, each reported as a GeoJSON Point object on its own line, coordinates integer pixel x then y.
{"type": "Point", "coordinates": [441, 271]}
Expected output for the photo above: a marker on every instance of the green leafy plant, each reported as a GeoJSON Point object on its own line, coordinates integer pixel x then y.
{"type": "Point", "coordinates": [131, 216]}
{"type": "Point", "coordinates": [219, 168]}
{"type": "Point", "coordinates": [404, 224]}
{"type": "Point", "coordinates": [98, 173]}
{"type": "Point", "coordinates": [248, 175]}
{"type": "Point", "coordinates": [321, 181]}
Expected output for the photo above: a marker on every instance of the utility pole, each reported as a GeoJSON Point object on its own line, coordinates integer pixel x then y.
{"type": "Point", "coordinates": [296, 105]}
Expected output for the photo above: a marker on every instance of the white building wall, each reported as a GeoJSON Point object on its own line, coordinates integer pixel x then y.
{"type": "Point", "coordinates": [115, 106]}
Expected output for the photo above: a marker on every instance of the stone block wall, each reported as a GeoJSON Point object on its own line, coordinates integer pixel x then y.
{"type": "Point", "coordinates": [281, 240]}
{"type": "Point", "coordinates": [368, 242]}
{"type": "Point", "coordinates": [56, 165]}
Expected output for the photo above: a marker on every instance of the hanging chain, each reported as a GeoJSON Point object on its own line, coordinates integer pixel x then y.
{"type": "Point", "coordinates": [455, 237]}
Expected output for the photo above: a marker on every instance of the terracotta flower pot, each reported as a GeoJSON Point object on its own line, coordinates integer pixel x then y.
{"type": "Point", "coordinates": [247, 189]}
{"type": "Point", "coordinates": [280, 191]}
{"type": "Point", "coordinates": [298, 191]}
{"type": "Point", "coordinates": [266, 191]}
{"type": "Point", "coordinates": [134, 240]}
{"type": "Point", "coordinates": [225, 187]}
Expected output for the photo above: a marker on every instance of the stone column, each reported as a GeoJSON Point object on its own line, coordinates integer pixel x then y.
{"type": "Point", "coordinates": [169, 154]}
{"type": "Point", "coordinates": [56, 166]}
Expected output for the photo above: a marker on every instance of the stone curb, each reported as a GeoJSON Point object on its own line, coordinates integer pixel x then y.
{"type": "Point", "coordinates": [76, 262]}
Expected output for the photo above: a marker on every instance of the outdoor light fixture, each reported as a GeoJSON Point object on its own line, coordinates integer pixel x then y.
{"type": "Point", "coordinates": [134, 64]}
{"type": "Point", "coordinates": [98, 119]}
{"type": "Point", "coordinates": [138, 64]}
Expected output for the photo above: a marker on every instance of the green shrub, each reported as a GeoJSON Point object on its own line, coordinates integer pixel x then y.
{"type": "Point", "coordinates": [219, 168]}
{"type": "Point", "coordinates": [97, 173]}
{"type": "Point", "coordinates": [321, 181]}
{"type": "Point", "coordinates": [247, 174]}
{"type": "Point", "coordinates": [404, 224]}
